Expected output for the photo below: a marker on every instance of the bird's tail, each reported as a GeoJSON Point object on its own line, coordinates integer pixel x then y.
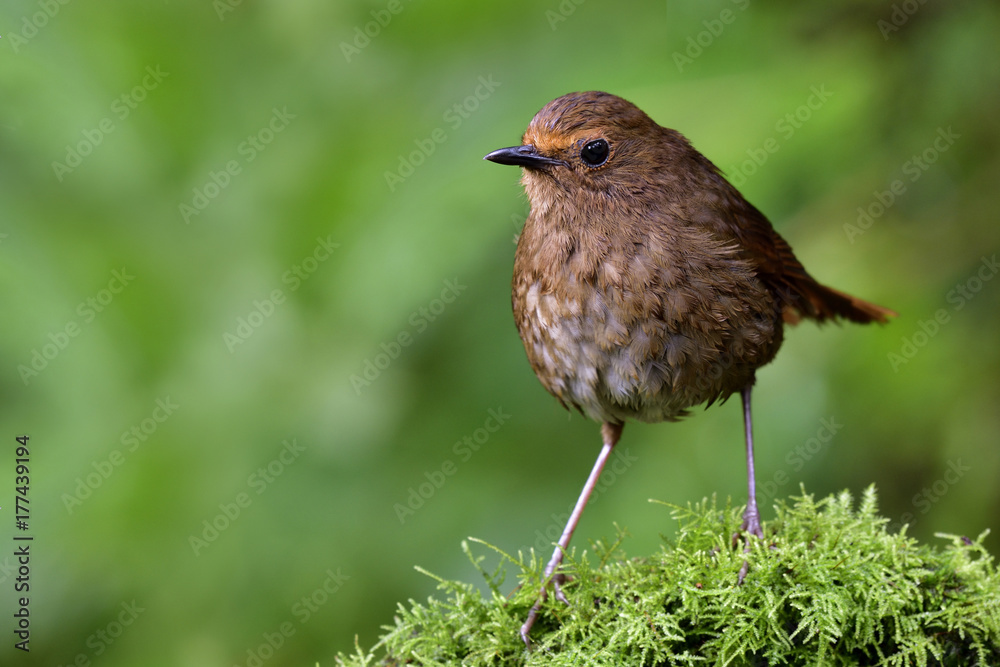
{"type": "Point", "coordinates": [819, 302]}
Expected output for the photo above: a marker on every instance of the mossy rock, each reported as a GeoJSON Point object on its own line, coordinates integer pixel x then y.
{"type": "Point", "coordinates": [828, 586]}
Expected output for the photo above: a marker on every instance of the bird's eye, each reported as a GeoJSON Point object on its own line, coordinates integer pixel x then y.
{"type": "Point", "coordinates": [595, 153]}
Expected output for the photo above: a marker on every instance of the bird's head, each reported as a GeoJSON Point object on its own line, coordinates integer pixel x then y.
{"type": "Point", "coordinates": [591, 141]}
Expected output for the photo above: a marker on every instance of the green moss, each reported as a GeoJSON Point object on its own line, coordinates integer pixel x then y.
{"type": "Point", "coordinates": [828, 586]}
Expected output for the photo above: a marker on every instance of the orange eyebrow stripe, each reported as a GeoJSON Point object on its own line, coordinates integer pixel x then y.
{"type": "Point", "coordinates": [548, 142]}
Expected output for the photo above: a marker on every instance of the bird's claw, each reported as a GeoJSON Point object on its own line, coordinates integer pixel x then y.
{"type": "Point", "coordinates": [750, 526]}
{"type": "Point", "coordinates": [556, 580]}
{"type": "Point", "coordinates": [751, 522]}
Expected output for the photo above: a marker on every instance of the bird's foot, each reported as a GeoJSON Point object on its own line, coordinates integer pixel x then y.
{"type": "Point", "coordinates": [750, 526]}
{"type": "Point", "coordinates": [557, 580]}
{"type": "Point", "coordinates": [751, 521]}
{"type": "Point", "coordinates": [743, 573]}
{"type": "Point", "coordinates": [530, 621]}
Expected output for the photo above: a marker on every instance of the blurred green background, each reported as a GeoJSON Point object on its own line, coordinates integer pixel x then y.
{"type": "Point", "coordinates": [202, 256]}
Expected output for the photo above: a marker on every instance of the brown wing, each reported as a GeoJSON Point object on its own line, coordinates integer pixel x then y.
{"type": "Point", "coordinates": [715, 203]}
{"type": "Point", "coordinates": [799, 292]}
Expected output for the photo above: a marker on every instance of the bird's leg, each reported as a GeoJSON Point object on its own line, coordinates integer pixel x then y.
{"type": "Point", "coordinates": [610, 434]}
{"type": "Point", "coordinates": [751, 516]}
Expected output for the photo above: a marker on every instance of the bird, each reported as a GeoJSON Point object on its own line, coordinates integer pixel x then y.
{"type": "Point", "coordinates": [644, 283]}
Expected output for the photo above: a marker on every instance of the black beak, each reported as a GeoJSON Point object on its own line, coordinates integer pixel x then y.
{"type": "Point", "coordinates": [522, 156]}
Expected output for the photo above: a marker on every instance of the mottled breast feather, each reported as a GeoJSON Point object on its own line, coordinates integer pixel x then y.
{"type": "Point", "coordinates": [661, 330]}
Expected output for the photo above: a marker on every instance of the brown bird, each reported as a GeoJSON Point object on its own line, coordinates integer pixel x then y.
{"type": "Point", "coordinates": [644, 283]}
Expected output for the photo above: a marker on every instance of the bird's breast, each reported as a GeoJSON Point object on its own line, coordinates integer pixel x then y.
{"type": "Point", "coordinates": [639, 330]}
